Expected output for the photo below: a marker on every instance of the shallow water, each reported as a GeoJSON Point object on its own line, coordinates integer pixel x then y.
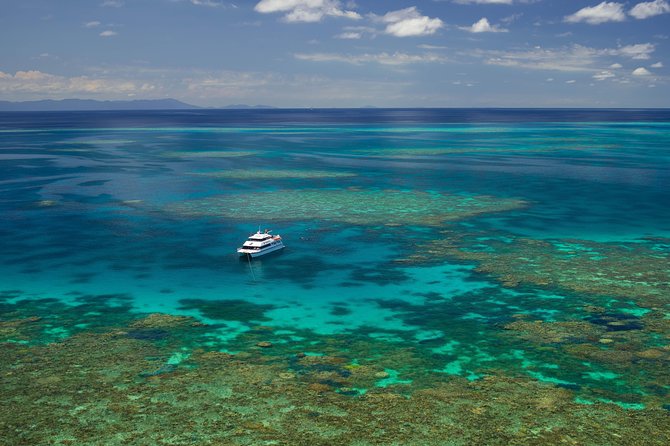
{"type": "Point", "coordinates": [429, 248]}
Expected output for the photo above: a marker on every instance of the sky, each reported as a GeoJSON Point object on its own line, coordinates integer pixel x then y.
{"type": "Point", "coordinates": [339, 53]}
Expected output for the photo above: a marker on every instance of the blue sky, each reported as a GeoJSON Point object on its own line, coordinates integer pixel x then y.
{"type": "Point", "coordinates": [339, 53]}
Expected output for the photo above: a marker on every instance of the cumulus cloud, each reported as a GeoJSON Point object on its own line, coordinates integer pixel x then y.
{"type": "Point", "coordinates": [380, 58]}
{"type": "Point", "coordinates": [305, 10]}
{"type": "Point", "coordinates": [615, 66]}
{"type": "Point", "coordinates": [595, 15]}
{"type": "Point", "coordinates": [657, 65]}
{"type": "Point", "coordinates": [649, 9]}
{"type": "Point", "coordinates": [483, 26]}
{"type": "Point", "coordinates": [91, 24]}
{"type": "Point", "coordinates": [108, 33]}
{"type": "Point", "coordinates": [112, 3]}
{"type": "Point", "coordinates": [409, 22]}
{"type": "Point", "coordinates": [603, 75]}
{"type": "Point", "coordinates": [641, 71]}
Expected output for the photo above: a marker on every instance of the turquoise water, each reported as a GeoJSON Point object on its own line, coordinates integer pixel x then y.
{"type": "Point", "coordinates": [534, 245]}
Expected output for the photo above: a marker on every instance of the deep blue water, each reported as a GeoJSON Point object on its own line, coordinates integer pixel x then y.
{"type": "Point", "coordinates": [151, 206]}
{"type": "Point", "coordinates": [302, 117]}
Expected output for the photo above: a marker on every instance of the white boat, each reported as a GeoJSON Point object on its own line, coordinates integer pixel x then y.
{"type": "Point", "coordinates": [261, 243]}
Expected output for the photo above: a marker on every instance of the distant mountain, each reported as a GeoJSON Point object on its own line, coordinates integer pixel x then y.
{"type": "Point", "coordinates": [91, 104]}
{"type": "Point", "coordinates": [245, 106]}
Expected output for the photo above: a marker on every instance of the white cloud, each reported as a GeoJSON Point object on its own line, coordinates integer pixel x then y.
{"type": "Point", "coordinates": [483, 26]}
{"type": "Point", "coordinates": [571, 81]}
{"type": "Point", "coordinates": [409, 22]}
{"type": "Point", "coordinates": [603, 75]}
{"type": "Point", "coordinates": [108, 33]}
{"type": "Point", "coordinates": [32, 75]}
{"type": "Point", "coordinates": [212, 88]}
{"type": "Point", "coordinates": [46, 84]}
{"type": "Point", "coordinates": [305, 10]}
{"type": "Point", "coordinates": [91, 24]}
{"type": "Point", "coordinates": [420, 26]}
{"type": "Point", "coordinates": [649, 9]}
{"type": "Point", "coordinates": [398, 15]}
{"type": "Point", "coordinates": [574, 58]}
{"type": "Point", "coordinates": [381, 58]}
{"type": "Point", "coordinates": [594, 15]}
{"type": "Point", "coordinates": [640, 51]}
{"type": "Point", "coordinates": [112, 3]}
{"type": "Point", "coordinates": [641, 71]}
{"type": "Point", "coordinates": [657, 65]}
{"type": "Point", "coordinates": [616, 66]}
{"type": "Point", "coordinates": [357, 32]}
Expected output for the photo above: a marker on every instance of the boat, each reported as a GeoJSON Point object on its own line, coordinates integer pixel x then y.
{"type": "Point", "coordinates": [261, 243]}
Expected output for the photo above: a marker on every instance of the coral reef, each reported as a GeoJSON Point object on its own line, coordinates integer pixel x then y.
{"type": "Point", "coordinates": [611, 336]}
{"type": "Point", "coordinates": [160, 320]}
{"type": "Point", "coordinates": [108, 388]}
{"type": "Point", "coordinates": [231, 310]}
{"type": "Point", "coordinates": [556, 332]}
{"type": "Point", "coordinates": [637, 271]}
{"type": "Point", "coordinates": [353, 206]}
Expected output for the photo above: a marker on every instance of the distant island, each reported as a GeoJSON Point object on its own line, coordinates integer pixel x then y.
{"type": "Point", "coordinates": [92, 104]}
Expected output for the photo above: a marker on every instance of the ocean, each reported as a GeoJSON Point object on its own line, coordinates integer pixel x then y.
{"type": "Point", "coordinates": [450, 276]}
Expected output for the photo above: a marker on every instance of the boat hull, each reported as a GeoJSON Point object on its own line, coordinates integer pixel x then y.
{"type": "Point", "coordinates": [259, 253]}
